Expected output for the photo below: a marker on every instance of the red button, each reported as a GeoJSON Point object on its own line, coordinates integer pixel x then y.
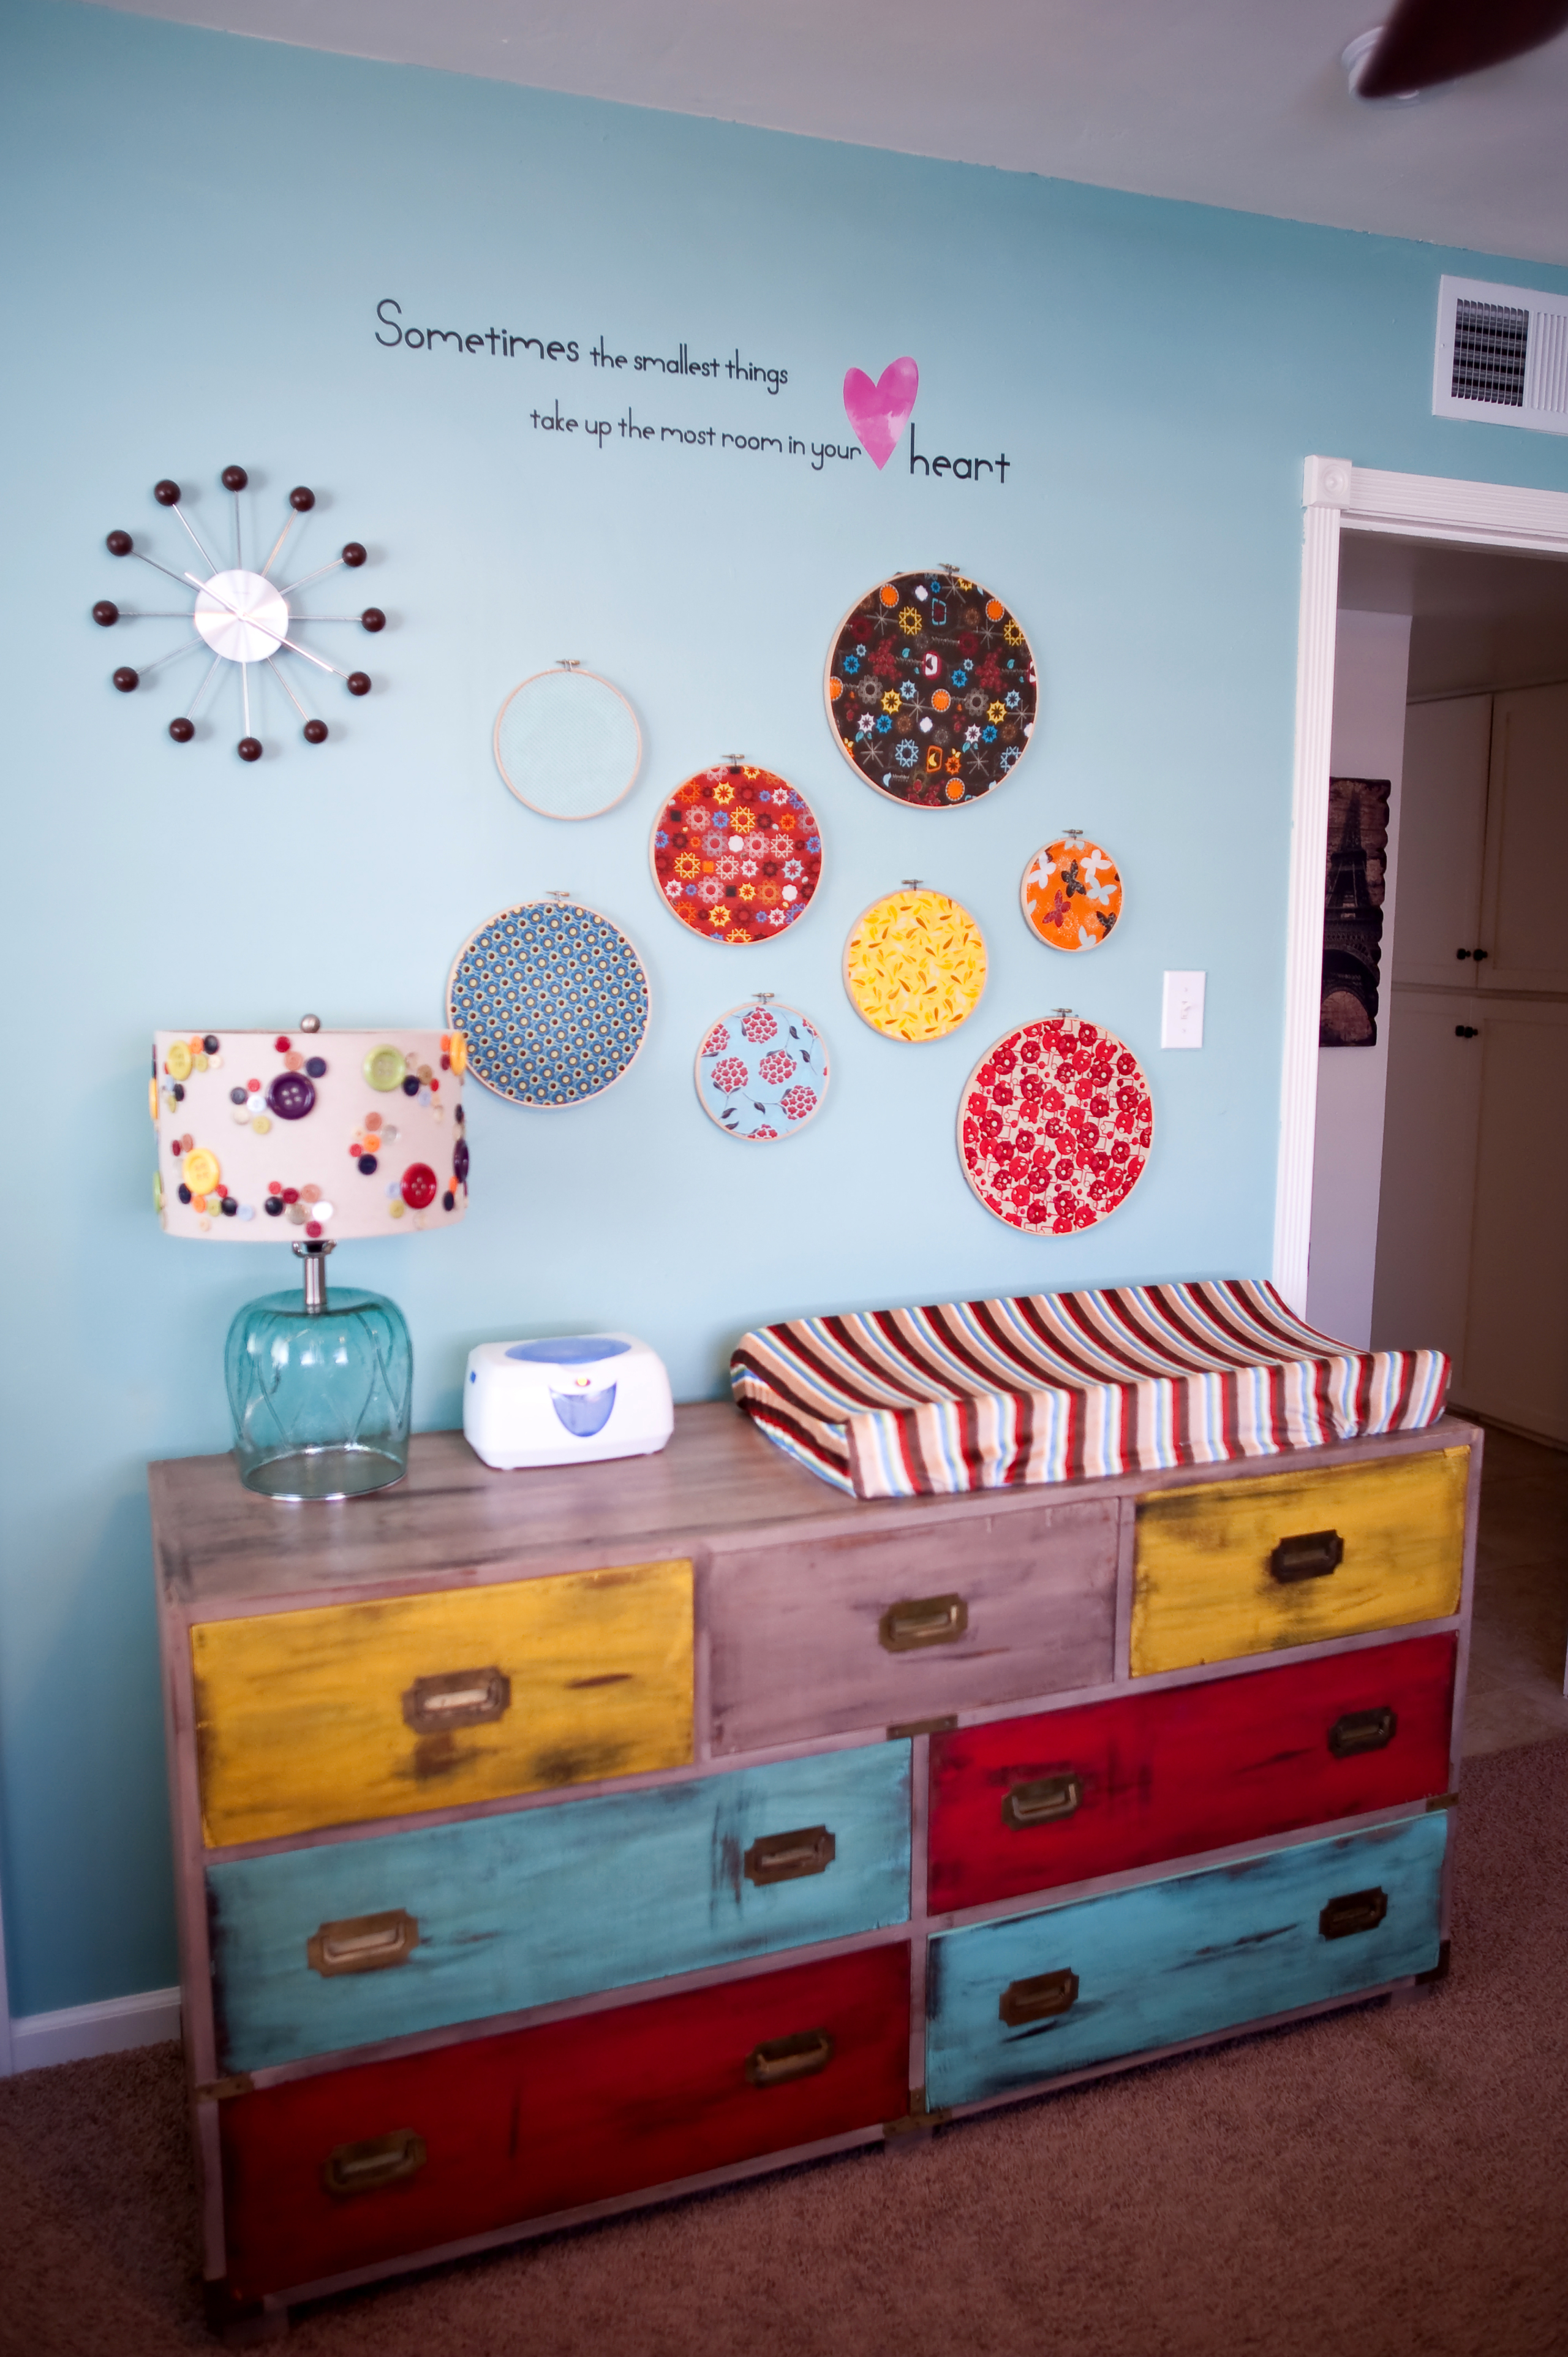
{"type": "Point", "coordinates": [419, 1186]}
{"type": "Point", "coordinates": [281, 1044]}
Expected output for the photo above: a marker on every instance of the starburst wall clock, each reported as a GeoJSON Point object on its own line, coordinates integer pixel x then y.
{"type": "Point", "coordinates": [241, 616]}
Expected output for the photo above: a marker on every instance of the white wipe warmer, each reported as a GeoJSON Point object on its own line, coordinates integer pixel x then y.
{"type": "Point", "coordinates": [570, 1400]}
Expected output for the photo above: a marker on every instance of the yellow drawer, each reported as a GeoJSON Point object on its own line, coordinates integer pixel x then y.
{"type": "Point", "coordinates": [1207, 1588]}
{"type": "Point", "coordinates": [432, 1702]}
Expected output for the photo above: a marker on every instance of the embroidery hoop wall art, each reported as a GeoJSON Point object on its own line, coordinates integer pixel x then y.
{"type": "Point", "coordinates": [931, 690]}
{"type": "Point", "coordinates": [736, 854]}
{"type": "Point", "coordinates": [554, 1002]}
{"type": "Point", "coordinates": [567, 743]}
{"type": "Point", "coordinates": [762, 1072]}
{"type": "Point", "coordinates": [913, 965]}
{"type": "Point", "coordinates": [1071, 894]}
{"type": "Point", "coordinates": [1055, 1124]}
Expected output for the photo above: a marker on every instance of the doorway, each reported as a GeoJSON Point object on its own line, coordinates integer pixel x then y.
{"type": "Point", "coordinates": [1453, 1118]}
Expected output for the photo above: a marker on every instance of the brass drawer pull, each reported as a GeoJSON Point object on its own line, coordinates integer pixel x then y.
{"type": "Point", "coordinates": [1040, 1999]}
{"type": "Point", "coordinates": [923, 1620]}
{"type": "Point", "coordinates": [783, 2059]}
{"type": "Point", "coordinates": [785, 1857]}
{"type": "Point", "coordinates": [456, 1698]}
{"type": "Point", "coordinates": [1310, 1555]}
{"type": "Point", "coordinates": [362, 1943]}
{"type": "Point", "coordinates": [1353, 1911]}
{"type": "Point", "coordinates": [382, 2160]}
{"type": "Point", "coordinates": [1362, 1730]}
{"type": "Point", "coordinates": [1044, 1803]}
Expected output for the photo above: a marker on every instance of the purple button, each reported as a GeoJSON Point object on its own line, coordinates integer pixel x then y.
{"type": "Point", "coordinates": [290, 1096]}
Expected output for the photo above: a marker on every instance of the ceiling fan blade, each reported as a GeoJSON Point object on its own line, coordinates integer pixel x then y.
{"type": "Point", "coordinates": [1429, 41]}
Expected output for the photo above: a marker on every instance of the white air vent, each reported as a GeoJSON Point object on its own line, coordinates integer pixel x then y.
{"type": "Point", "coordinates": [1502, 355]}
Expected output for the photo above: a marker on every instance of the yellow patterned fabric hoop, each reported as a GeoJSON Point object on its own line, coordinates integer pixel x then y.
{"type": "Point", "coordinates": [914, 965]}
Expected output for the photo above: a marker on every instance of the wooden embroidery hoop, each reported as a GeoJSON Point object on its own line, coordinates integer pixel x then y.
{"type": "Point", "coordinates": [557, 897]}
{"type": "Point", "coordinates": [928, 573]}
{"type": "Point", "coordinates": [775, 1006]}
{"type": "Point", "coordinates": [910, 886]}
{"type": "Point", "coordinates": [567, 667]}
{"type": "Point", "coordinates": [732, 763]}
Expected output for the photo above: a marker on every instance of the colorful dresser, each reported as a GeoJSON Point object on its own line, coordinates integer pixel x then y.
{"type": "Point", "coordinates": [550, 1843]}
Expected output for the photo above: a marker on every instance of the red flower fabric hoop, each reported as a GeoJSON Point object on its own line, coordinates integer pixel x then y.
{"type": "Point", "coordinates": [1054, 1125]}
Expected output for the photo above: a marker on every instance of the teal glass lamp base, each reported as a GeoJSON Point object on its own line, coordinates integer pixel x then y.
{"type": "Point", "coordinates": [320, 1390]}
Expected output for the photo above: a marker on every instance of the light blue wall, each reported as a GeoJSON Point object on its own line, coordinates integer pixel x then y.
{"type": "Point", "coordinates": [196, 232]}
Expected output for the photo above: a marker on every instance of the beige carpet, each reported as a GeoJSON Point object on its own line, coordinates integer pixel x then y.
{"type": "Point", "coordinates": [1387, 2180]}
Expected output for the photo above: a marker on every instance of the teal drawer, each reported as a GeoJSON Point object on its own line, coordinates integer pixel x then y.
{"type": "Point", "coordinates": [1174, 1959]}
{"type": "Point", "coordinates": [347, 1943]}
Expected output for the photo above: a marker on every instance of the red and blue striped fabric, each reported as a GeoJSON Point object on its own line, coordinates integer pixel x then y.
{"type": "Point", "coordinates": [1068, 1386]}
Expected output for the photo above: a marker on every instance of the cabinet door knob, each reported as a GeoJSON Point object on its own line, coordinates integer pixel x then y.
{"type": "Point", "coordinates": [1038, 2000]}
{"type": "Point", "coordinates": [785, 1857]}
{"type": "Point", "coordinates": [1045, 1801]}
{"type": "Point", "coordinates": [451, 1698]}
{"type": "Point", "coordinates": [362, 1943]}
{"type": "Point", "coordinates": [1353, 1911]}
{"type": "Point", "coordinates": [380, 2161]}
{"type": "Point", "coordinates": [1479, 955]}
{"type": "Point", "coordinates": [1464, 1031]}
{"type": "Point", "coordinates": [1362, 1730]}
{"type": "Point", "coordinates": [923, 1620]}
{"type": "Point", "coordinates": [780, 2059]}
{"type": "Point", "coordinates": [1310, 1555]}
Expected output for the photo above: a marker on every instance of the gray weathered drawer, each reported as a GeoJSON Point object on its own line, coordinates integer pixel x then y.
{"type": "Point", "coordinates": [820, 1637]}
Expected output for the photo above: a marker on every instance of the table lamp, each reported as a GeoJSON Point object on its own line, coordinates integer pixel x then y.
{"type": "Point", "coordinates": [312, 1137]}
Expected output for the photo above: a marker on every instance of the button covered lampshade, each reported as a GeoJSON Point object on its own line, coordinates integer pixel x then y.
{"type": "Point", "coordinates": [312, 1137]}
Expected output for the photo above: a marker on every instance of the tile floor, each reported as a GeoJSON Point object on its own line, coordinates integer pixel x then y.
{"type": "Point", "coordinates": [1519, 1635]}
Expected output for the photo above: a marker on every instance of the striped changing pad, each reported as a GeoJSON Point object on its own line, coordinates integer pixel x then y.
{"type": "Point", "coordinates": [1065, 1386]}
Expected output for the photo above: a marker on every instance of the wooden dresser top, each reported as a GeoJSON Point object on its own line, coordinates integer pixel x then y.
{"type": "Point", "coordinates": [219, 1545]}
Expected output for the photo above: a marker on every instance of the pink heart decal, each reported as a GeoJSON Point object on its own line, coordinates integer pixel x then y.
{"type": "Point", "coordinates": [880, 412]}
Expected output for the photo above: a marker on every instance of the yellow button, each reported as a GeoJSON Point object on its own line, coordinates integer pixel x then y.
{"type": "Point", "coordinates": [202, 1171]}
{"type": "Point", "coordinates": [459, 1054]}
{"type": "Point", "coordinates": [178, 1061]}
{"type": "Point", "coordinates": [261, 1124]}
{"type": "Point", "coordinates": [384, 1068]}
{"type": "Point", "coordinates": [153, 1099]}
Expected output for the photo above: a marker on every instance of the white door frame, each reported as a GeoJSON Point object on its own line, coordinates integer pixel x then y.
{"type": "Point", "coordinates": [1338, 494]}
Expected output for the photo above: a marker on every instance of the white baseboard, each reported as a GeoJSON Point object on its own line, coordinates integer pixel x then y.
{"type": "Point", "coordinates": [77, 2032]}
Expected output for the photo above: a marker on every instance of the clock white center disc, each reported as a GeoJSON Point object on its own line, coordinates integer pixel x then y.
{"type": "Point", "coordinates": [241, 617]}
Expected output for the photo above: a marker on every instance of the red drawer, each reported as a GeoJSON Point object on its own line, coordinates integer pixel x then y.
{"type": "Point", "coordinates": [469, 2138]}
{"type": "Point", "coordinates": [1030, 1803]}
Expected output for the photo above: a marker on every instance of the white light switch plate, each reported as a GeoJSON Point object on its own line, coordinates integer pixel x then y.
{"type": "Point", "coordinates": [1181, 1011]}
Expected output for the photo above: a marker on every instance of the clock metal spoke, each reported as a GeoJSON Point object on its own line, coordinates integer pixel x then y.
{"type": "Point", "coordinates": [158, 660]}
{"type": "Point", "coordinates": [271, 662]}
{"type": "Point", "coordinates": [180, 577]}
{"type": "Point", "coordinates": [304, 577]}
{"type": "Point", "coordinates": [206, 683]}
{"type": "Point", "coordinates": [186, 520]}
{"type": "Point", "coordinates": [315, 731]}
{"type": "Point", "coordinates": [288, 527]}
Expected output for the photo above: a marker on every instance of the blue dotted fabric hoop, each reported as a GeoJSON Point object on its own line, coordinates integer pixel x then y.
{"type": "Point", "coordinates": [552, 1001]}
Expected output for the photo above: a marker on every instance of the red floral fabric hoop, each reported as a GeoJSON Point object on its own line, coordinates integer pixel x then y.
{"type": "Point", "coordinates": [1054, 1125]}
{"type": "Point", "coordinates": [738, 853]}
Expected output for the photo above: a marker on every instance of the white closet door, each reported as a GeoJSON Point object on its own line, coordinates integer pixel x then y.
{"type": "Point", "coordinates": [1525, 920]}
{"type": "Point", "coordinates": [1431, 1115]}
{"type": "Point", "coordinates": [1442, 832]}
{"type": "Point", "coordinates": [1516, 1333]}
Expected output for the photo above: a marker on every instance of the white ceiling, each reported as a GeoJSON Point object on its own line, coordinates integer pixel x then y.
{"type": "Point", "coordinates": [1238, 103]}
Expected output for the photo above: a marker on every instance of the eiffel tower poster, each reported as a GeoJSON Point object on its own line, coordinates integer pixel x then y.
{"type": "Point", "coordinates": [1353, 911]}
